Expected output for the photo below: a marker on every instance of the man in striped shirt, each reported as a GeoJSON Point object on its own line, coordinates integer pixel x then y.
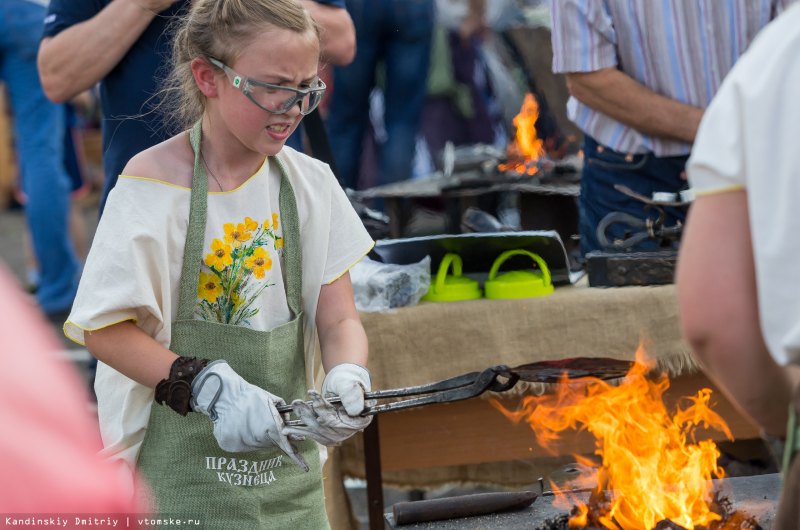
{"type": "Point", "coordinates": [641, 73]}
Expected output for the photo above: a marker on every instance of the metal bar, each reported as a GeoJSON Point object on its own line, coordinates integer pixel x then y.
{"type": "Point", "coordinates": [374, 474]}
{"type": "Point", "coordinates": [462, 506]}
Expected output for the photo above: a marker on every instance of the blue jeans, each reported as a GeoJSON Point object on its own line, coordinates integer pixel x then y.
{"type": "Point", "coordinates": [397, 32]}
{"type": "Point", "coordinates": [39, 137]}
{"type": "Point", "coordinates": [642, 173]}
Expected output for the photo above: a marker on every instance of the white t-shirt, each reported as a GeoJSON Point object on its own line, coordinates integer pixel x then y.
{"type": "Point", "coordinates": [749, 139]}
{"type": "Point", "coordinates": [134, 266]}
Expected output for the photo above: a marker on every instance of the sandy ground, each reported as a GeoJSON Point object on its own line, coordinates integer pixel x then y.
{"type": "Point", "coordinates": [13, 233]}
{"type": "Point", "coordinates": [12, 226]}
{"type": "Point", "coordinates": [14, 244]}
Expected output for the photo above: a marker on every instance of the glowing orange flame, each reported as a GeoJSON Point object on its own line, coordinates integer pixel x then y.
{"type": "Point", "coordinates": [651, 464]}
{"type": "Point", "coordinates": [527, 147]}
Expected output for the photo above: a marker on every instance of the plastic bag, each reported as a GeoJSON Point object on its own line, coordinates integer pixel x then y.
{"type": "Point", "coordinates": [380, 286]}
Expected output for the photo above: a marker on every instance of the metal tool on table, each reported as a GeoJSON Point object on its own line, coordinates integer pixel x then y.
{"type": "Point", "coordinates": [462, 506]}
{"type": "Point", "coordinates": [645, 229]}
{"type": "Point", "coordinates": [497, 378]}
{"type": "Point", "coordinates": [471, 505]}
{"type": "Point", "coordinates": [619, 263]}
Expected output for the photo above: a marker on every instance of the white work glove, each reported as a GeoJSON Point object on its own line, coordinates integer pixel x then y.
{"type": "Point", "coordinates": [349, 382]}
{"type": "Point", "coordinates": [244, 415]}
{"type": "Point", "coordinates": [331, 424]}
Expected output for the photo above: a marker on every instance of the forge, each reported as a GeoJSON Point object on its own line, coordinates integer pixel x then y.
{"type": "Point", "coordinates": [652, 467]}
{"type": "Point", "coordinates": [753, 496]}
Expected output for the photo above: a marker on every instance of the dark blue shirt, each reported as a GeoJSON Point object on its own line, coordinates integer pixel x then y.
{"type": "Point", "coordinates": [128, 94]}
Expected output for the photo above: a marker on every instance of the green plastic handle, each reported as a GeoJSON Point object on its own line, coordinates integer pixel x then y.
{"type": "Point", "coordinates": [447, 260]}
{"type": "Point", "coordinates": [520, 252]}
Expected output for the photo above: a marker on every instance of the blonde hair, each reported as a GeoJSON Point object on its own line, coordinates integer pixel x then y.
{"type": "Point", "coordinates": [219, 29]}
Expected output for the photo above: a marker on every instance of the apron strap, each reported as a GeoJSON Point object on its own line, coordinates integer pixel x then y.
{"type": "Point", "coordinates": [292, 253]}
{"type": "Point", "coordinates": [195, 235]}
{"type": "Point", "coordinates": [193, 250]}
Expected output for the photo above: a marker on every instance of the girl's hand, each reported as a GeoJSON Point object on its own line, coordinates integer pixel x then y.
{"type": "Point", "coordinates": [325, 422]}
{"type": "Point", "coordinates": [348, 381]}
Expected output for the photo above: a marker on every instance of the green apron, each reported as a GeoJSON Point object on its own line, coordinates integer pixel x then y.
{"type": "Point", "coordinates": [188, 474]}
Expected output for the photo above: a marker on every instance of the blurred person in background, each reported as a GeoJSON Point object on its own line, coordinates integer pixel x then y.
{"type": "Point", "coordinates": [738, 288]}
{"type": "Point", "coordinates": [394, 35]}
{"type": "Point", "coordinates": [39, 131]}
{"type": "Point", "coordinates": [640, 74]}
{"type": "Point", "coordinates": [461, 104]}
{"type": "Point", "coordinates": [124, 45]}
{"type": "Point", "coordinates": [80, 187]}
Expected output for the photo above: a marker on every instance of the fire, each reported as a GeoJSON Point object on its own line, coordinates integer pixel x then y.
{"type": "Point", "coordinates": [651, 466]}
{"type": "Point", "coordinates": [527, 147]}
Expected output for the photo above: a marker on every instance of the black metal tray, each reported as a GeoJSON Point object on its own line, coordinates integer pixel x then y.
{"type": "Point", "coordinates": [479, 250]}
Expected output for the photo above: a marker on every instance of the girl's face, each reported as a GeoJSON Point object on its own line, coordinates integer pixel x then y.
{"type": "Point", "coordinates": [277, 57]}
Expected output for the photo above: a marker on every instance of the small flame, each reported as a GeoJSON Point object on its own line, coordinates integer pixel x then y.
{"type": "Point", "coordinates": [527, 147]}
{"type": "Point", "coordinates": [651, 464]}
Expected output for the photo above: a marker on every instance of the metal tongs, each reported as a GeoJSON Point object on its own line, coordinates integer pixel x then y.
{"type": "Point", "coordinates": [496, 379]}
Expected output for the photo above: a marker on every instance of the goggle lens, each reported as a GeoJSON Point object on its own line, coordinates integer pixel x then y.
{"type": "Point", "coordinates": [279, 100]}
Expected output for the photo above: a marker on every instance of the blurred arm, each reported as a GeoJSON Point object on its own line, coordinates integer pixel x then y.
{"type": "Point", "coordinates": [337, 32]}
{"type": "Point", "coordinates": [719, 310]}
{"type": "Point", "coordinates": [81, 55]}
{"type": "Point", "coordinates": [621, 97]}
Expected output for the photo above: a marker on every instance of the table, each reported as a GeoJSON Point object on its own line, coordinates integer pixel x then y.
{"type": "Point", "coordinates": [544, 204]}
{"type": "Point", "coordinates": [470, 441]}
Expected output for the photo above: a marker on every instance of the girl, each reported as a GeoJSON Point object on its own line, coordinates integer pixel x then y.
{"type": "Point", "coordinates": [217, 253]}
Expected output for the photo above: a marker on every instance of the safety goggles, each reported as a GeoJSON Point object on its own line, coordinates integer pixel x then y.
{"type": "Point", "coordinates": [276, 99]}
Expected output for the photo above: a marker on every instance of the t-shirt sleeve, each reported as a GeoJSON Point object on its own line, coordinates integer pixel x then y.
{"type": "Point", "coordinates": [583, 36]}
{"type": "Point", "coordinates": [62, 14]}
{"type": "Point", "coordinates": [126, 277]}
{"type": "Point", "coordinates": [348, 240]}
{"type": "Point", "coordinates": [717, 163]}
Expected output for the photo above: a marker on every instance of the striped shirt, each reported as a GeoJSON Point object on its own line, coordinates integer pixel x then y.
{"type": "Point", "coordinates": [681, 49]}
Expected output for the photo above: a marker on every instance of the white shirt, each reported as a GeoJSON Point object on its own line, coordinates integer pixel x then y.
{"type": "Point", "coordinates": [748, 139]}
{"type": "Point", "coordinates": [133, 269]}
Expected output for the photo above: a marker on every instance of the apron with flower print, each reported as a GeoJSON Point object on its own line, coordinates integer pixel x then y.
{"type": "Point", "coordinates": [189, 476]}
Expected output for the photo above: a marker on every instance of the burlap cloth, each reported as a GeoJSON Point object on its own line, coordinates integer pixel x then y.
{"type": "Point", "coordinates": [434, 341]}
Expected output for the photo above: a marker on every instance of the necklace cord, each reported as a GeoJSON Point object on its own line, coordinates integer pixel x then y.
{"type": "Point", "coordinates": [203, 158]}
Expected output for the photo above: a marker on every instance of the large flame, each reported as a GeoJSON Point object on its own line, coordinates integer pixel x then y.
{"type": "Point", "coordinates": [651, 464]}
{"type": "Point", "coordinates": [527, 147]}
